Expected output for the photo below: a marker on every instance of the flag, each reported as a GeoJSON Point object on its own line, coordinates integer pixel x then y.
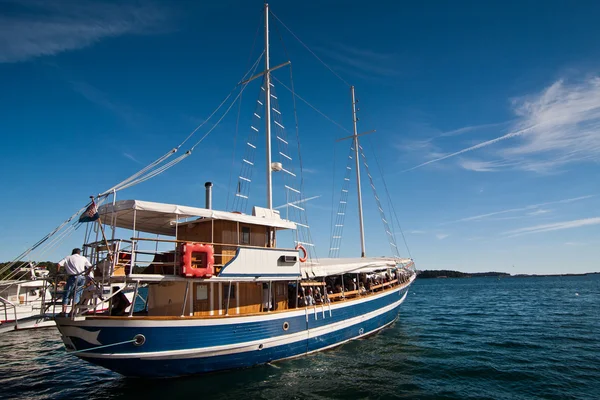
{"type": "Point", "coordinates": [90, 214]}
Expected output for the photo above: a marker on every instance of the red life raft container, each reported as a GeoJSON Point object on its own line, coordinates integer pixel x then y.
{"type": "Point", "coordinates": [193, 254]}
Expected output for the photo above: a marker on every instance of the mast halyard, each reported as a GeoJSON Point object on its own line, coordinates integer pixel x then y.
{"type": "Point", "coordinates": [360, 210]}
{"type": "Point", "coordinates": [268, 110]}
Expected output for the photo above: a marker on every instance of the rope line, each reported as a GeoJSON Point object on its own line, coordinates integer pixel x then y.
{"type": "Point", "coordinates": [255, 66]}
{"type": "Point", "coordinates": [310, 51]}
{"type": "Point", "coordinates": [303, 230]}
{"type": "Point", "coordinates": [313, 107]}
{"type": "Point", "coordinates": [102, 347]}
{"type": "Point", "coordinates": [69, 352]}
{"type": "Point", "coordinates": [389, 197]}
{"type": "Point", "coordinates": [142, 175]}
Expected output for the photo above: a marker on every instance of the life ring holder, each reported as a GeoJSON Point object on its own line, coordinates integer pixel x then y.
{"type": "Point", "coordinates": [305, 257]}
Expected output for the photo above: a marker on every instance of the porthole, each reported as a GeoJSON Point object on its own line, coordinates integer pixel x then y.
{"type": "Point", "coordinates": [286, 326]}
{"type": "Point", "coordinates": [260, 346]}
{"type": "Point", "coordinates": [139, 340]}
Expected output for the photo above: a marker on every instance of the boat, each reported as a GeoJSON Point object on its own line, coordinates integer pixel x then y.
{"type": "Point", "coordinates": [223, 291]}
{"type": "Point", "coordinates": [29, 299]}
{"type": "Point", "coordinates": [24, 302]}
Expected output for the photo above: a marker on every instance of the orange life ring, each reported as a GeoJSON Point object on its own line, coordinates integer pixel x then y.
{"type": "Point", "coordinates": [302, 259]}
{"type": "Point", "coordinates": [187, 267]}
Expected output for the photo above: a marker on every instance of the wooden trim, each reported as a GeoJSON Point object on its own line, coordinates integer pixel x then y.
{"type": "Point", "coordinates": [383, 284]}
{"type": "Point", "coordinates": [345, 294]}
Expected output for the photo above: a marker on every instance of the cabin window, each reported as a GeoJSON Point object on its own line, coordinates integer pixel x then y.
{"type": "Point", "coordinates": [201, 292]}
{"type": "Point", "coordinates": [245, 235]}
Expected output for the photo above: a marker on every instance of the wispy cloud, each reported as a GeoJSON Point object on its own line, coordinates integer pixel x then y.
{"type": "Point", "coordinates": [427, 147]}
{"type": "Point", "coordinates": [34, 28]}
{"type": "Point", "coordinates": [553, 128]}
{"type": "Point", "coordinates": [483, 166]}
{"type": "Point", "coordinates": [471, 148]}
{"type": "Point", "coordinates": [526, 208]}
{"type": "Point", "coordinates": [541, 211]}
{"type": "Point", "coordinates": [100, 98]}
{"type": "Point", "coordinates": [132, 158]}
{"type": "Point", "coordinates": [553, 227]}
{"type": "Point", "coordinates": [417, 232]}
{"type": "Point", "coordinates": [575, 244]}
{"type": "Point", "coordinates": [364, 60]}
{"type": "Point", "coordinates": [472, 128]}
{"type": "Point", "coordinates": [441, 236]}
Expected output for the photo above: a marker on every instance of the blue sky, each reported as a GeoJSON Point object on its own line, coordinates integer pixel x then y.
{"type": "Point", "coordinates": [487, 117]}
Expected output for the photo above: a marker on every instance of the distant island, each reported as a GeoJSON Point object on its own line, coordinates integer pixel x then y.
{"type": "Point", "coordinates": [456, 274]}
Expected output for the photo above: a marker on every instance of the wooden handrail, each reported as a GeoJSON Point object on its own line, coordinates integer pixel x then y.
{"type": "Point", "coordinates": [383, 284]}
{"type": "Point", "coordinates": [345, 294]}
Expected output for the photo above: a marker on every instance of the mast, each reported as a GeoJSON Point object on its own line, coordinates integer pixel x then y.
{"type": "Point", "coordinates": [268, 110]}
{"type": "Point", "coordinates": [360, 210]}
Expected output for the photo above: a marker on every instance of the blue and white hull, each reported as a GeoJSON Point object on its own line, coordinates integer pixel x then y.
{"type": "Point", "coordinates": [186, 346]}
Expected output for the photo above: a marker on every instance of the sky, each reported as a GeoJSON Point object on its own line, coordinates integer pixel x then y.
{"type": "Point", "coordinates": [486, 119]}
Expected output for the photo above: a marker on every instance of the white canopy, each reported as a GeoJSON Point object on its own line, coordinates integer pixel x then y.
{"type": "Point", "coordinates": [160, 218]}
{"type": "Point", "coordinates": [337, 266]}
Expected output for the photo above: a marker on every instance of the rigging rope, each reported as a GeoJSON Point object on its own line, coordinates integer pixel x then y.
{"type": "Point", "coordinates": [144, 174]}
{"type": "Point", "coordinates": [335, 243]}
{"type": "Point", "coordinates": [313, 107]}
{"type": "Point", "coordinates": [303, 231]}
{"type": "Point", "coordinates": [389, 197]}
{"type": "Point", "coordinates": [237, 121]}
{"type": "Point", "coordinates": [386, 226]}
{"type": "Point", "coordinates": [244, 86]}
{"type": "Point", "coordinates": [311, 52]}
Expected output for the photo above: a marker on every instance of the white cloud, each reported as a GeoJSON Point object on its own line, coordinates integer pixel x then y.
{"type": "Point", "coordinates": [466, 129]}
{"type": "Point", "coordinates": [553, 227]}
{"type": "Point", "coordinates": [555, 127]}
{"type": "Point", "coordinates": [37, 28]}
{"type": "Point", "coordinates": [101, 99]}
{"type": "Point", "coordinates": [475, 147]}
{"type": "Point", "coordinates": [417, 232]}
{"type": "Point", "coordinates": [441, 236]}
{"type": "Point", "coordinates": [482, 166]}
{"type": "Point", "coordinates": [132, 158]}
{"type": "Point", "coordinates": [541, 211]}
{"type": "Point", "coordinates": [365, 60]}
{"type": "Point", "coordinates": [526, 208]}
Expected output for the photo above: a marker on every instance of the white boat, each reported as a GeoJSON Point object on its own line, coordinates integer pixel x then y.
{"type": "Point", "coordinates": [33, 301]}
{"type": "Point", "coordinates": [224, 291]}
{"type": "Point", "coordinates": [24, 302]}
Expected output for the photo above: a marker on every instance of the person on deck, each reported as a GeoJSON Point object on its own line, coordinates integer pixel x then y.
{"type": "Point", "coordinates": [75, 266]}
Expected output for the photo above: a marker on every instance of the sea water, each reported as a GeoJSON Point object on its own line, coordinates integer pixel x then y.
{"type": "Point", "coordinates": [470, 338]}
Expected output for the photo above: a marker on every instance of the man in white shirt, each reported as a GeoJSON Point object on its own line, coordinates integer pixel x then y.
{"type": "Point", "coordinates": [75, 266]}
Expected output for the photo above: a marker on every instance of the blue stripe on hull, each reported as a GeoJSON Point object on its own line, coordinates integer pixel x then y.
{"type": "Point", "coordinates": [161, 356]}
{"type": "Point", "coordinates": [191, 366]}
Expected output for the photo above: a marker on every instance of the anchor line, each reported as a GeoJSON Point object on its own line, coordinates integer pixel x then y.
{"type": "Point", "coordinates": [72, 352]}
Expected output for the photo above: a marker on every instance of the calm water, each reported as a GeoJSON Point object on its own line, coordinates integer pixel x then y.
{"type": "Point", "coordinates": [513, 338]}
